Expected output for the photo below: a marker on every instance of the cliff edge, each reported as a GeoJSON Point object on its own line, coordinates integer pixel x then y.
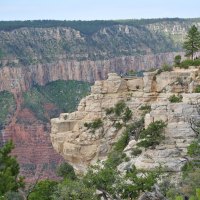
{"type": "Point", "coordinates": [81, 143]}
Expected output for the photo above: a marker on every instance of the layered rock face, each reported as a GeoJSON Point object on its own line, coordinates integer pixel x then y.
{"type": "Point", "coordinates": [81, 147]}
{"type": "Point", "coordinates": [17, 79]}
{"type": "Point", "coordinates": [33, 148]}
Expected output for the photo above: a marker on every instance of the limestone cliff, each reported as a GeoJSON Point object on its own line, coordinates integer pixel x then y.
{"type": "Point", "coordinates": [81, 147]}
{"type": "Point", "coordinates": [18, 79]}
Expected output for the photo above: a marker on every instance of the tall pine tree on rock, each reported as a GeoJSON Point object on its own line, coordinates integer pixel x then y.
{"type": "Point", "coordinates": [192, 42]}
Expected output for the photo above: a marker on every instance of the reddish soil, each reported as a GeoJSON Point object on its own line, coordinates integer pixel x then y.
{"type": "Point", "coordinates": [33, 148]}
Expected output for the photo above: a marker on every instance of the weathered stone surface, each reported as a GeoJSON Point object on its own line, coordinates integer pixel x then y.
{"type": "Point", "coordinates": [135, 84]}
{"type": "Point", "coordinates": [82, 147]}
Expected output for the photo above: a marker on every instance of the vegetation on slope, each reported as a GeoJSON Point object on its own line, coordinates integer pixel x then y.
{"type": "Point", "coordinates": [64, 95]}
{"type": "Point", "coordinates": [7, 105]}
{"type": "Point", "coordinates": [85, 27]}
{"type": "Point", "coordinates": [97, 39]}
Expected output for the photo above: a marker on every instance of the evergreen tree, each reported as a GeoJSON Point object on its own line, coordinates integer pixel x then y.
{"type": "Point", "coordinates": [9, 171]}
{"type": "Point", "coordinates": [65, 170]}
{"type": "Point", "coordinates": [43, 190]}
{"type": "Point", "coordinates": [192, 42]}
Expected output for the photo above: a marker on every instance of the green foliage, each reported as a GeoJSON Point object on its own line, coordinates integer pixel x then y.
{"type": "Point", "coordinates": [179, 198]}
{"type": "Point", "coordinates": [102, 178]}
{"type": "Point", "coordinates": [166, 68]}
{"type": "Point", "coordinates": [197, 89]}
{"type": "Point", "coordinates": [7, 105]}
{"type": "Point", "coordinates": [1, 54]}
{"type": "Point", "coordinates": [175, 99]}
{"type": "Point", "coordinates": [152, 135]}
{"type": "Point", "coordinates": [193, 149]}
{"type": "Point", "coordinates": [34, 48]}
{"type": "Point", "coordinates": [9, 171]}
{"type": "Point", "coordinates": [187, 63]}
{"type": "Point", "coordinates": [146, 109]}
{"type": "Point", "coordinates": [106, 178]}
{"type": "Point", "coordinates": [43, 190]}
{"type": "Point", "coordinates": [12, 196]}
{"type": "Point", "coordinates": [177, 60]}
{"type": "Point", "coordinates": [65, 95]}
{"type": "Point", "coordinates": [115, 157]}
{"type": "Point", "coordinates": [65, 170]}
{"type": "Point", "coordinates": [131, 73]}
{"type": "Point", "coordinates": [130, 186]}
{"type": "Point", "coordinates": [97, 123]}
{"type": "Point", "coordinates": [136, 151]}
{"type": "Point", "coordinates": [74, 190]}
{"type": "Point", "coordinates": [198, 193]}
{"type": "Point", "coordinates": [119, 108]}
{"type": "Point", "coordinates": [191, 174]}
{"type": "Point", "coordinates": [137, 181]}
{"type": "Point", "coordinates": [118, 125]}
{"type": "Point", "coordinates": [190, 182]}
{"type": "Point", "coordinates": [109, 111]}
{"type": "Point", "coordinates": [127, 115]}
{"type": "Point", "coordinates": [192, 42]}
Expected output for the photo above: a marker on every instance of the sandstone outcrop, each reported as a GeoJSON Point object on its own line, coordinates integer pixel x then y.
{"type": "Point", "coordinates": [81, 147]}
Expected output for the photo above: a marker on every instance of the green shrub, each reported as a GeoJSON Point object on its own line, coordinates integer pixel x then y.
{"type": "Point", "coordinates": [166, 68]}
{"type": "Point", "coordinates": [136, 151]}
{"type": "Point", "coordinates": [126, 159]}
{"type": "Point", "coordinates": [179, 198]}
{"type": "Point", "coordinates": [177, 60]}
{"type": "Point", "coordinates": [118, 125]}
{"type": "Point", "coordinates": [119, 108]}
{"type": "Point", "coordinates": [131, 73]}
{"type": "Point", "coordinates": [175, 99]}
{"type": "Point", "coordinates": [145, 108]}
{"type": "Point", "coordinates": [186, 63]}
{"type": "Point", "coordinates": [127, 115]}
{"type": "Point", "coordinates": [109, 111]}
{"type": "Point", "coordinates": [65, 170]}
{"type": "Point", "coordinates": [43, 190]}
{"type": "Point", "coordinates": [97, 123]}
{"type": "Point", "coordinates": [197, 89]}
{"type": "Point", "coordinates": [194, 149]}
{"type": "Point", "coordinates": [152, 135]}
{"type": "Point", "coordinates": [7, 106]}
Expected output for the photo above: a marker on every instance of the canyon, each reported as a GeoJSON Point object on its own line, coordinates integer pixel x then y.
{"type": "Point", "coordinates": [82, 147]}
{"type": "Point", "coordinates": [19, 79]}
{"type": "Point", "coordinates": [32, 55]}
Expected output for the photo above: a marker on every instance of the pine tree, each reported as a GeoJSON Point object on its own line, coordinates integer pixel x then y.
{"type": "Point", "coordinates": [192, 42]}
{"type": "Point", "coordinates": [9, 171]}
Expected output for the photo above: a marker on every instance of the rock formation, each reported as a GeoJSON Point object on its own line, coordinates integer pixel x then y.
{"type": "Point", "coordinates": [17, 79]}
{"type": "Point", "coordinates": [81, 147]}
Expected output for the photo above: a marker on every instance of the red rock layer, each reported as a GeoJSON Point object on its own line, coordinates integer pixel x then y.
{"type": "Point", "coordinates": [33, 147]}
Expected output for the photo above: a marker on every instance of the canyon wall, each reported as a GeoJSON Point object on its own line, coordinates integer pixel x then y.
{"type": "Point", "coordinates": [18, 79]}
{"type": "Point", "coordinates": [82, 146]}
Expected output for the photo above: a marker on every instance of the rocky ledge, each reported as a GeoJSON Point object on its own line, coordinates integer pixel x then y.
{"type": "Point", "coordinates": [82, 147]}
